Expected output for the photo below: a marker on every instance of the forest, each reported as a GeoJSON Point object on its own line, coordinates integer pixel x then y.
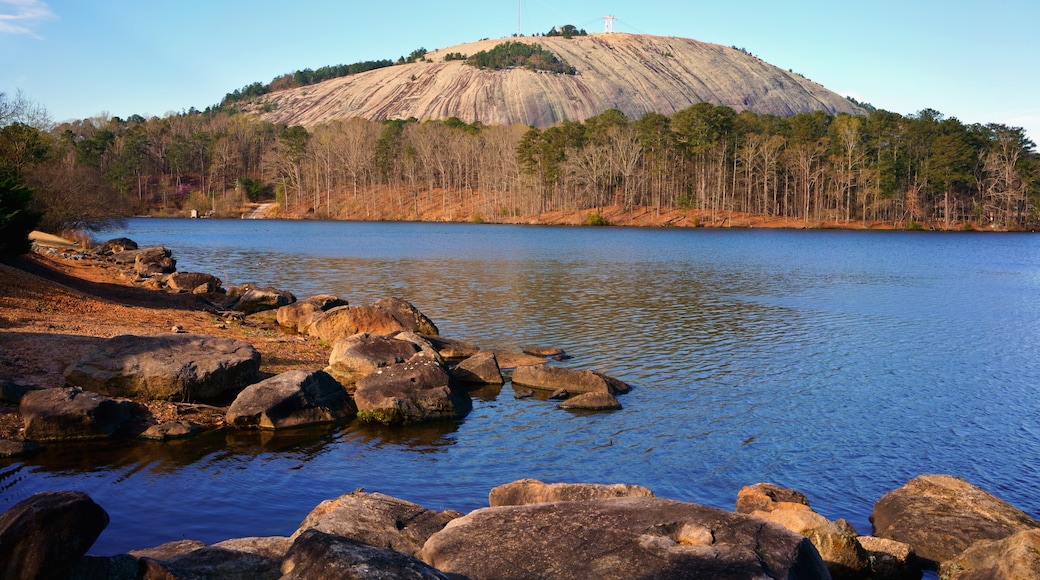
{"type": "Point", "coordinates": [923, 170]}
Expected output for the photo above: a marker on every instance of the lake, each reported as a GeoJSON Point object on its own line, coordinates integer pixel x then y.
{"type": "Point", "coordinates": [838, 363]}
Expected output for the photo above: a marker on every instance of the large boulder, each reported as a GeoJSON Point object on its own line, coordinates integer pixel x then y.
{"type": "Point", "coordinates": [250, 299]}
{"type": "Point", "coordinates": [574, 381]}
{"type": "Point", "coordinates": [358, 356]}
{"type": "Point", "coordinates": [528, 491]}
{"type": "Point", "coordinates": [154, 261]}
{"type": "Point", "coordinates": [377, 519]}
{"type": "Point", "coordinates": [408, 315]}
{"type": "Point", "coordinates": [299, 315]}
{"type": "Point", "coordinates": [837, 542]}
{"type": "Point", "coordinates": [117, 245]}
{"type": "Point", "coordinates": [191, 281]}
{"type": "Point", "coordinates": [319, 556]}
{"type": "Point", "coordinates": [479, 369]}
{"type": "Point", "coordinates": [172, 367]}
{"type": "Point", "coordinates": [291, 399]}
{"type": "Point", "coordinates": [44, 535]}
{"type": "Point", "coordinates": [1013, 558]}
{"type": "Point", "coordinates": [73, 414]}
{"type": "Point", "coordinates": [940, 516]}
{"type": "Point", "coordinates": [411, 392]}
{"type": "Point", "coordinates": [625, 538]}
{"type": "Point", "coordinates": [345, 321]}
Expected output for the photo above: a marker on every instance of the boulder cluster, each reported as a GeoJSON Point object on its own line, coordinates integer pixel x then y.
{"type": "Point", "coordinates": [532, 529]}
{"type": "Point", "coordinates": [387, 364]}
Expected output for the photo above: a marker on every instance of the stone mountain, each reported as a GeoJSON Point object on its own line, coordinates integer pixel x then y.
{"type": "Point", "coordinates": [634, 73]}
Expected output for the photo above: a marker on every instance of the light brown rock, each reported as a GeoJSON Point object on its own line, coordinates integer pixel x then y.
{"type": "Point", "coordinates": [528, 491]}
{"type": "Point", "coordinates": [1016, 557]}
{"type": "Point", "coordinates": [940, 516]}
{"type": "Point", "coordinates": [345, 321]}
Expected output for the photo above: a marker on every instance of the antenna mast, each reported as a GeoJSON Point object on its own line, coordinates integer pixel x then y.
{"type": "Point", "coordinates": [519, 4]}
{"type": "Point", "coordinates": [608, 23]}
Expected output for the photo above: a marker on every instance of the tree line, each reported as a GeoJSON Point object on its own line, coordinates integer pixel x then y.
{"type": "Point", "coordinates": [823, 170]}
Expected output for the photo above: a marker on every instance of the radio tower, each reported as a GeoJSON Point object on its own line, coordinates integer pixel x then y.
{"type": "Point", "coordinates": [519, 6]}
{"type": "Point", "coordinates": [608, 23]}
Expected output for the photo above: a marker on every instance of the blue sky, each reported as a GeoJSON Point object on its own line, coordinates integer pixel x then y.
{"type": "Point", "coordinates": [977, 61]}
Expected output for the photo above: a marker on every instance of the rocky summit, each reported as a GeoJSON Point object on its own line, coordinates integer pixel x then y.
{"type": "Point", "coordinates": [634, 73]}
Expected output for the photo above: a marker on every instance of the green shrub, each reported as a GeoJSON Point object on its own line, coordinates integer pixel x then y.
{"type": "Point", "coordinates": [16, 219]}
{"type": "Point", "coordinates": [594, 218]}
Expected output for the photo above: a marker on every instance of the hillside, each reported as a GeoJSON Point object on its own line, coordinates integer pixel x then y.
{"type": "Point", "coordinates": [633, 73]}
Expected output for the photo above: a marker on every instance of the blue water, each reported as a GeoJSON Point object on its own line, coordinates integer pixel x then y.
{"type": "Point", "coordinates": [840, 364]}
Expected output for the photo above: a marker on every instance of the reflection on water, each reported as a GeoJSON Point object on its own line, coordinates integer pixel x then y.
{"type": "Point", "coordinates": [838, 363]}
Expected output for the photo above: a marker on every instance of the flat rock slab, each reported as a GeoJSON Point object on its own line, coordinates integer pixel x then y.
{"type": "Point", "coordinates": [573, 380]}
{"type": "Point", "coordinates": [592, 402]}
{"type": "Point", "coordinates": [627, 538]}
{"type": "Point", "coordinates": [528, 491]}
{"type": "Point", "coordinates": [291, 399]}
{"type": "Point", "coordinates": [940, 516]}
{"type": "Point", "coordinates": [73, 414]}
{"type": "Point", "coordinates": [169, 367]}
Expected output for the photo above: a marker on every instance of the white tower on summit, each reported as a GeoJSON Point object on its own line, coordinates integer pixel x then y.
{"type": "Point", "coordinates": [608, 24]}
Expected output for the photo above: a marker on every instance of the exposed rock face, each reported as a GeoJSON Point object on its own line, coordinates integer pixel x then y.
{"type": "Point", "coordinates": [154, 261]}
{"type": "Point", "coordinates": [629, 538]}
{"type": "Point", "coordinates": [291, 399]}
{"type": "Point", "coordinates": [44, 535]}
{"type": "Point", "coordinates": [409, 316]}
{"type": "Point", "coordinates": [573, 380]}
{"type": "Point", "coordinates": [173, 367]}
{"type": "Point", "coordinates": [634, 73]}
{"type": "Point", "coordinates": [1013, 558]}
{"type": "Point", "coordinates": [378, 520]}
{"type": "Point", "coordinates": [250, 299]}
{"type": "Point", "coordinates": [72, 413]}
{"type": "Point", "coordinates": [592, 402]}
{"type": "Point", "coordinates": [358, 356]}
{"type": "Point", "coordinates": [940, 516]}
{"type": "Point", "coordinates": [319, 556]}
{"type": "Point", "coordinates": [411, 392]}
{"type": "Point", "coordinates": [346, 321]}
{"type": "Point", "coordinates": [837, 542]}
{"type": "Point", "coordinates": [299, 315]}
{"type": "Point", "coordinates": [481, 368]}
{"type": "Point", "coordinates": [528, 491]}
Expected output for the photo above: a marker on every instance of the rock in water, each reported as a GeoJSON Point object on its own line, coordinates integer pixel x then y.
{"type": "Point", "coordinates": [628, 538]}
{"type": "Point", "coordinates": [44, 535]}
{"type": "Point", "coordinates": [291, 399]}
{"type": "Point", "coordinates": [411, 392]}
{"type": "Point", "coordinates": [940, 516]}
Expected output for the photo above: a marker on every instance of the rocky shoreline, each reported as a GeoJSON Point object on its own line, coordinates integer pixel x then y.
{"type": "Point", "coordinates": [387, 363]}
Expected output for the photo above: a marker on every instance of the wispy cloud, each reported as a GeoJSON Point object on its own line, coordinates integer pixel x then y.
{"type": "Point", "coordinates": [23, 16]}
